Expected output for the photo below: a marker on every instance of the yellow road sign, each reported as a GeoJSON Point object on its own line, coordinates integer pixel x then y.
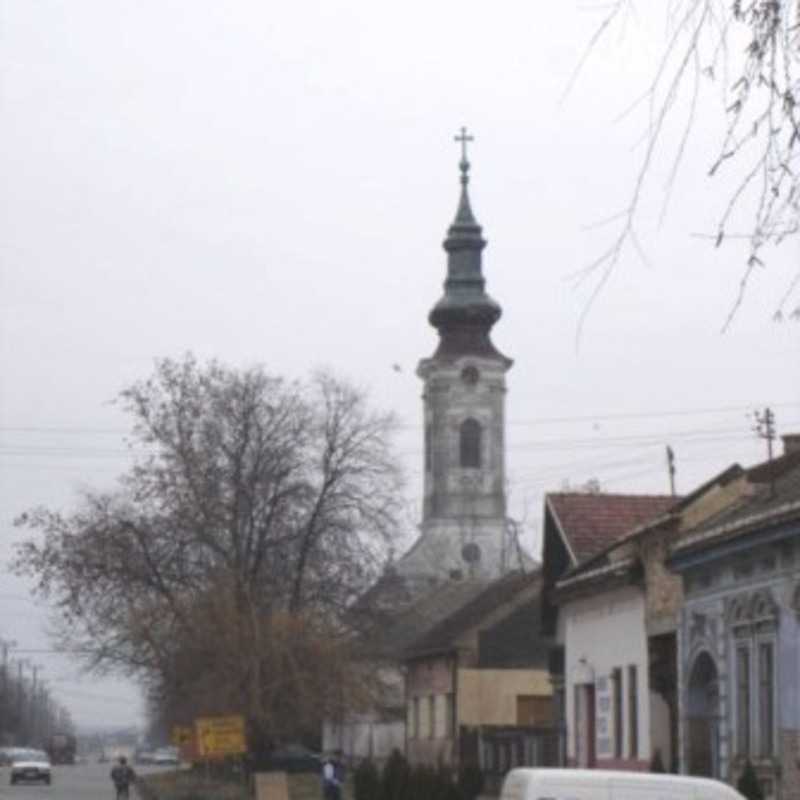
{"type": "Point", "coordinates": [220, 736]}
{"type": "Point", "coordinates": [182, 735]}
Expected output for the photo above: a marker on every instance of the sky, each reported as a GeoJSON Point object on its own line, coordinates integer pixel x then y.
{"type": "Point", "coordinates": [270, 184]}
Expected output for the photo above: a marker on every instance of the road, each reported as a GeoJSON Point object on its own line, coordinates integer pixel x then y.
{"type": "Point", "coordinates": [89, 782]}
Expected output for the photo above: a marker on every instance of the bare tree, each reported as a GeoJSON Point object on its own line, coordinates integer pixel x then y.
{"type": "Point", "coordinates": [256, 511]}
{"type": "Point", "coordinates": [753, 48]}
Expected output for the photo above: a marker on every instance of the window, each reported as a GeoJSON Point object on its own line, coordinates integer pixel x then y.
{"type": "Point", "coordinates": [431, 717]}
{"type": "Point", "coordinates": [470, 443]}
{"type": "Point", "coordinates": [413, 713]}
{"type": "Point", "coordinates": [470, 375]}
{"type": "Point", "coordinates": [743, 701]}
{"type": "Point", "coordinates": [633, 713]}
{"type": "Point", "coordinates": [616, 688]}
{"type": "Point", "coordinates": [450, 716]}
{"type": "Point", "coordinates": [766, 693]}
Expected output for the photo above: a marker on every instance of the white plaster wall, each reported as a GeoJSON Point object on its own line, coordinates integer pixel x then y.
{"type": "Point", "coordinates": [608, 630]}
{"type": "Point", "coordinates": [364, 738]}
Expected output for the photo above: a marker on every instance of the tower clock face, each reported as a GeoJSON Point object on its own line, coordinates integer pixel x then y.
{"type": "Point", "coordinates": [470, 375]}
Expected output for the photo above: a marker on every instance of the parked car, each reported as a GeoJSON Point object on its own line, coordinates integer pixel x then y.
{"type": "Point", "coordinates": [30, 766]}
{"type": "Point", "coordinates": [589, 784]}
{"type": "Point", "coordinates": [166, 756]}
{"type": "Point", "coordinates": [295, 758]}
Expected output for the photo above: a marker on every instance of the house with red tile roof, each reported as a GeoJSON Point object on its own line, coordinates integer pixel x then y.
{"type": "Point", "coordinates": [618, 615]}
{"type": "Point", "coordinates": [578, 528]}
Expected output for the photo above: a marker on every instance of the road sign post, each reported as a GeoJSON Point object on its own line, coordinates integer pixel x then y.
{"type": "Point", "coordinates": [218, 737]}
{"type": "Point", "coordinates": [182, 735]}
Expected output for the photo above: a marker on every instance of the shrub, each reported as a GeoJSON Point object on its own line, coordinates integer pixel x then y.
{"type": "Point", "coordinates": [367, 782]}
{"type": "Point", "coordinates": [395, 777]}
{"type": "Point", "coordinates": [748, 784]}
{"type": "Point", "coordinates": [656, 762]}
{"type": "Point", "coordinates": [470, 781]}
{"type": "Point", "coordinates": [423, 784]}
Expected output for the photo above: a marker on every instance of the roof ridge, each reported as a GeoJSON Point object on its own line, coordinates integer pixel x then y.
{"type": "Point", "coordinates": [610, 494]}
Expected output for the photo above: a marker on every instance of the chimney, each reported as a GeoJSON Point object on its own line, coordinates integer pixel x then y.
{"type": "Point", "coordinates": [791, 443]}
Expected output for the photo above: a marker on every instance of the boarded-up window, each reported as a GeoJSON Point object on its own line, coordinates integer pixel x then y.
{"type": "Point", "coordinates": [470, 443]}
{"type": "Point", "coordinates": [533, 710]}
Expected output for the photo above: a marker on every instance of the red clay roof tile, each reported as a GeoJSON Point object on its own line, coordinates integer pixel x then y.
{"type": "Point", "coordinates": [591, 522]}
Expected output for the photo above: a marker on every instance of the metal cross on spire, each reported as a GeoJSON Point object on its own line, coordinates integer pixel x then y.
{"type": "Point", "coordinates": [463, 138]}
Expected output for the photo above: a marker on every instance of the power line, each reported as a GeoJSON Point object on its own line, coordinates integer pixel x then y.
{"type": "Point", "coordinates": [604, 417]}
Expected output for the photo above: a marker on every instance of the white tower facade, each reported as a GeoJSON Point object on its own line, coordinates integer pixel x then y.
{"type": "Point", "coordinates": [464, 524]}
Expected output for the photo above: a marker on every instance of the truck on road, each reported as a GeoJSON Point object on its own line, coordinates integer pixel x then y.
{"type": "Point", "coordinates": [61, 748]}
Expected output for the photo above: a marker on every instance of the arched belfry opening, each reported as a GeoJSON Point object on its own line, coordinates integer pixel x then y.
{"type": "Point", "coordinates": [470, 435]}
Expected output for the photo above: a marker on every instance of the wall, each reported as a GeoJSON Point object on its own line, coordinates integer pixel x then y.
{"type": "Point", "coordinates": [431, 741]}
{"type": "Point", "coordinates": [364, 737]}
{"type": "Point", "coordinates": [489, 697]}
{"type": "Point", "coordinates": [664, 589]}
{"type": "Point", "coordinates": [602, 632]}
{"type": "Point", "coordinates": [464, 505]}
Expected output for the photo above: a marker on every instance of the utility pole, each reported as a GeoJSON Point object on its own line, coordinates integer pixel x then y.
{"type": "Point", "coordinates": [765, 429]}
{"type": "Point", "coordinates": [20, 700]}
{"type": "Point", "coordinates": [4, 703]}
{"type": "Point", "coordinates": [33, 706]}
{"type": "Point", "coordinates": [671, 469]}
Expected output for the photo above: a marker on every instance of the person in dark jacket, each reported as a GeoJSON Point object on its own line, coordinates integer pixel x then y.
{"type": "Point", "coordinates": [122, 776]}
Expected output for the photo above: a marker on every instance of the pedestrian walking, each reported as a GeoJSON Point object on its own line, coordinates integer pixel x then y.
{"type": "Point", "coordinates": [331, 775]}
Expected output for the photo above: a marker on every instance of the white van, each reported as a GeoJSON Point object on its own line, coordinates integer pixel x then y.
{"type": "Point", "coordinates": [598, 784]}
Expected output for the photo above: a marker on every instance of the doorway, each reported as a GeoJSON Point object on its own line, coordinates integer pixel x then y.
{"type": "Point", "coordinates": [703, 718]}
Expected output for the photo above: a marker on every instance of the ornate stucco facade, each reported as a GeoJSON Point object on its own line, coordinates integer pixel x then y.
{"type": "Point", "coordinates": [739, 635]}
{"type": "Point", "coordinates": [739, 666]}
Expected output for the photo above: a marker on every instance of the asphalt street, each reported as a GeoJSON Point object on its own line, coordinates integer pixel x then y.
{"type": "Point", "coordinates": [87, 782]}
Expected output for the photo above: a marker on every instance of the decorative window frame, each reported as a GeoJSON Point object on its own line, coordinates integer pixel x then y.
{"type": "Point", "coordinates": [745, 645]}
{"type": "Point", "coordinates": [756, 743]}
{"type": "Point", "coordinates": [739, 616]}
{"type": "Point", "coordinates": [753, 620]}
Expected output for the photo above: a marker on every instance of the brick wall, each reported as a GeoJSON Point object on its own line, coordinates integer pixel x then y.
{"type": "Point", "coordinates": [664, 595]}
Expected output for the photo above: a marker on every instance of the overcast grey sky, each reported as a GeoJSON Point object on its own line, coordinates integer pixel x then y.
{"type": "Point", "coordinates": [271, 182]}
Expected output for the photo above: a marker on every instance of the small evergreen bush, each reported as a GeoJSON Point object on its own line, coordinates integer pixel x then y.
{"type": "Point", "coordinates": [656, 762]}
{"type": "Point", "coordinates": [395, 778]}
{"type": "Point", "coordinates": [748, 784]}
{"type": "Point", "coordinates": [423, 783]}
{"type": "Point", "coordinates": [367, 782]}
{"type": "Point", "coordinates": [470, 781]}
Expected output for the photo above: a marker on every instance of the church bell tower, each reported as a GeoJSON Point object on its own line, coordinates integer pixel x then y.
{"type": "Point", "coordinates": [463, 527]}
